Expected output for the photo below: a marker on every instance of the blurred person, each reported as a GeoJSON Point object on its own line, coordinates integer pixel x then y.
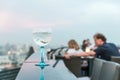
{"type": "Point", "coordinates": [104, 50]}
{"type": "Point", "coordinates": [86, 44]}
{"type": "Point", "coordinates": [73, 47]}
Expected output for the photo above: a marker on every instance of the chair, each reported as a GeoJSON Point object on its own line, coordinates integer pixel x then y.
{"type": "Point", "coordinates": [115, 59]}
{"type": "Point", "coordinates": [73, 65]}
{"type": "Point", "coordinates": [109, 71]}
{"type": "Point", "coordinates": [119, 73]}
{"type": "Point", "coordinates": [97, 66]}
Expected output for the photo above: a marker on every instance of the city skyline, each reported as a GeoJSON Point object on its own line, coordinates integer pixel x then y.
{"type": "Point", "coordinates": [69, 20]}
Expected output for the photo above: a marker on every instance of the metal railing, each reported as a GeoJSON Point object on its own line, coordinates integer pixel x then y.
{"type": "Point", "coordinates": [9, 74]}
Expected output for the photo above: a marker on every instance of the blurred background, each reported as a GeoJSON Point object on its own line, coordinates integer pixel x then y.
{"type": "Point", "coordinates": [69, 19]}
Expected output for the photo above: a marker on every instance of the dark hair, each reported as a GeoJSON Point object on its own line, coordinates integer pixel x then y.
{"type": "Point", "coordinates": [100, 36]}
{"type": "Point", "coordinates": [84, 45]}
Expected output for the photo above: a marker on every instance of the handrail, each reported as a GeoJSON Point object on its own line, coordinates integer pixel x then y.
{"type": "Point", "coordinates": [9, 74]}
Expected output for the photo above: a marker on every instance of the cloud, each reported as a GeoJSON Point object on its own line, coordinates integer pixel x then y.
{"type": "Point", "coordinates": [99, 12]}
{"type": "Point", "coordinates": [10, 21]}
{"type": "Point", "coordinates": [103, 8]}
{"type": "Point", "coordinates": [3, 18]}
{"type": "Point", "coordinates": [57, 14]}
{"type": "Point", "coordinates": [66, 16]}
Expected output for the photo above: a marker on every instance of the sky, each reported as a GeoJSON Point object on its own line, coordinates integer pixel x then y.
{"type": "Point", "coordinates": [69, 19]}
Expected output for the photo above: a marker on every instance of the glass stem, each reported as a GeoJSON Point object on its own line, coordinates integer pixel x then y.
{"type": "Point", "coordinates": [42, 53]}
{"type": "Point", "coordinates": [42, 75]}
{"type": "Point", "coordinates": [42, 63]}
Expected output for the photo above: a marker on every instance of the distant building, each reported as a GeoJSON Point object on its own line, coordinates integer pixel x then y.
{"type": "Point", "coordinates": [4, 59]}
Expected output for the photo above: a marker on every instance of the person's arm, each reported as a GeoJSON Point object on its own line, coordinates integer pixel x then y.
{"type": "Point", "coordinates": [91, 53]}
{"type": "Point", "coordinates": [80, 54]}
{"type": "Point", "coordinates": [67, 56]}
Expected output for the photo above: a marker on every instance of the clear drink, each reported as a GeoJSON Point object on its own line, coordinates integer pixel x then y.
{"type": "Point", "coordinates": [42, 38]}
